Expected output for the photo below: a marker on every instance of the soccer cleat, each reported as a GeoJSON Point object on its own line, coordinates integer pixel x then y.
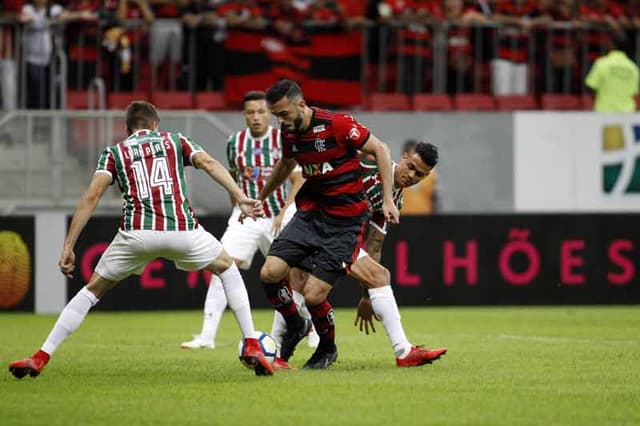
{"type": "Point", "coordinates": [313, 340]}
{"type": "Point", "coordinates": [321, 359]}
{"type": "Point", "coordinates": [293, 336]}
{"type": "Point", "coordinates": [254, 358]}
{"type": "Point", "coordinates": [420, 356]}
{"type": "Point", "coordinates": [197, 343]}
{"type": "Point", "coordinates": [31, 366]}
{"type": "Point", "coordinates": [281, 364]}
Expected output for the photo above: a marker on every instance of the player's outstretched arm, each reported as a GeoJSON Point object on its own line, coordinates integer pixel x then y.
{"type": "Point", "coordinates": [218, 173]}
{"type": "Point", "coordinates": [297, 181]}
{"type": "Point", "coordinates": [380, 150]}
{"type": "Point", "coordinates": [85, 208]}
{"type": "Point", "coordinates": [364, 311]}
{"type": "Point", "coordinates": [280, 173]}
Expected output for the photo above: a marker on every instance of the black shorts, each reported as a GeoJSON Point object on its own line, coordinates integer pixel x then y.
{"type": "Point", "coordinates": [323, 245]}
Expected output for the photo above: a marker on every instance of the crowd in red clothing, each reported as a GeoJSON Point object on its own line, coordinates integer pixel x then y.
{"type": "Point", "coordinates": [497, 46]}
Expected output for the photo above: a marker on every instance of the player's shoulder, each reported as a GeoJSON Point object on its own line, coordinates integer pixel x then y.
{"type": "Point", "coordinates": [368, 163]}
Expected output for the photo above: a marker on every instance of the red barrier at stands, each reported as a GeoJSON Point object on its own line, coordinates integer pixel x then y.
{"type": "Point", "coordinates": [432, 102]}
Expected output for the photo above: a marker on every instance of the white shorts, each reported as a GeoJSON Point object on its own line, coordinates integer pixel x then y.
{"type": "Point", "coordinates": [242, 240]}
{"type": "Point", "coordinates": [130, 251]}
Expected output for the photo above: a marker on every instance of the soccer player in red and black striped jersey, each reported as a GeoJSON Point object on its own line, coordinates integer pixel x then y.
{"type": "Point", "coordinates": [157, 221]}
{"type": "Point", "coordinates": [327, 230]}
{"type": "Point", "coordinates": [414, 166]}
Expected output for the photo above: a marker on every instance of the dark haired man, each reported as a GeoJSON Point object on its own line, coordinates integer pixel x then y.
{"type": "Point", "coordinates": [251, 154]}
{"type": "Point", "coordinates": [157, 221]}
{"type": "Point", "coordinates": [413, 167]}
{"type": "Point", "coordinates": [325, 234]}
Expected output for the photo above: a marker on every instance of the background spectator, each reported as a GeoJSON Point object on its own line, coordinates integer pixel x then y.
{"type": "Point", "coordinates": [9, 10]}
{"type": "Point", "coordinates": [614, 78]}
{"type": "Point", "coordinates": [38, 17]}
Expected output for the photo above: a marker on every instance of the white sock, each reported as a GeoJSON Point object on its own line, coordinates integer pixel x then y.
{"type": "Point", "coordinates": [238, 299]}
{"type": "Point", "coordinates": [70, 319]}
{"type": "Point", "coordinates": [278, 328]}
{"type": "Point", "coordinates": [214, 306]}
{"type": "Point", "coordinates": [384, 305]}
{"type": "Point", "coordinates": [298, 299]}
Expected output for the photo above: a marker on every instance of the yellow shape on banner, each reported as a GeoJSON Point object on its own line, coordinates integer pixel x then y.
{"type": "Point", "coordinates": [612, 138]}
{"type": "Point", "coordinates": [15, 269]}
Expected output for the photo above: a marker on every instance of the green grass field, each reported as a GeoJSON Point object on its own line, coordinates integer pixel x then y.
{"type": "Point", "coordinates": [505, 366]}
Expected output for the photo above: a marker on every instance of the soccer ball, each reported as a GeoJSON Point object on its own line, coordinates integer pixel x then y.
{"type": "Point", "coordinates": [267, 344]}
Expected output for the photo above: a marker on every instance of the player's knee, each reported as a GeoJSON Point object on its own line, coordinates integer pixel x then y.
{"type": "Point", "coordinates": [381, 277]}
{"type": "Point", "coordinates": [221, 263]}
{"type": "Point", "coordinates": [271, 273]}
{"type": "Point", "coordinates": [314, 295]}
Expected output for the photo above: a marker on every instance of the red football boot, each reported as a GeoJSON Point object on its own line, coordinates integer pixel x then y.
{"type": "Point", "coordinates": [420, 356]}
{"type": "Point", "coordinates": [281, 364]}
{"type": "Point", "coordinates": [255, 359]}
{"type": "Point", "coordinates": [32, 366]}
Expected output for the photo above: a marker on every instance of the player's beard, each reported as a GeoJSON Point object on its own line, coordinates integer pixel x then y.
{"type": "Point", "coordinates": [297, 123]}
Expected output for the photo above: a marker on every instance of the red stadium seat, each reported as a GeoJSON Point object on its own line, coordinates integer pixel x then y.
{"type": "Point", "coordinates": [474, 102]}
{"type": "Point", "coordinates": [560, 102]}
{"type": "Point", "coordinates": [77, 99]}
{"type": "Point", "coordinates": [172, 100]}
{"type": "Point", "coordinates": [120, 100]}
{"type": "Point", "coordinates": [587, 102]}
{"type": "Point", "coordinates": [432, 102]}
{"type": "Point", "coordinates": [516, 102]}
{"type": "Point", "coordinates": [211, 101]}
{"type": "Point", "coordinates": [389, 102]}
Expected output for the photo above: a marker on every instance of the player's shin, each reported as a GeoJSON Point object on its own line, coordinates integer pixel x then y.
{"type": "Point", "coordinates": [214, 306]}
{"type": "Point", "coordinates": [322, 316]}
{"type": "Point", "coordinates": [281, 298]}
{"type": "Point", "coordinates": [238, 298]}
{"type": "Point", "coordinates": [384, 305]}
{"type": "Point", "coordinates": [70, 319]}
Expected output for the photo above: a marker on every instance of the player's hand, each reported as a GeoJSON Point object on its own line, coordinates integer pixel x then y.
{"type": "Point", "coordinates": [365, 315]}
{"type": "Point", "coordinates": [250, 208]}
{"type": "Point", "coordinates": [67, 262]}
{"type": "Point", "coordinates": [391, 214]}
{"type": "Point", "coordinates": [277, 223]}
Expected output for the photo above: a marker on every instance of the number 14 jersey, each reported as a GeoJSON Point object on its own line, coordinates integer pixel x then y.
{"type": "Point", "coordinates": [149, 168]}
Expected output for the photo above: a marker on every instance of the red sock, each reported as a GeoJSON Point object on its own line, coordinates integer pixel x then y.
{"type": "Point", "coordinates": [282, 300]}
{"type": "Point", "coordinates": [322, 316]}
{"type": "Point", "coordinates": [42, 355]}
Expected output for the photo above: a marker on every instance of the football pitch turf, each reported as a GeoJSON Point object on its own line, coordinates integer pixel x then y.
{"type": "Point", "coordinates": [505, 366]}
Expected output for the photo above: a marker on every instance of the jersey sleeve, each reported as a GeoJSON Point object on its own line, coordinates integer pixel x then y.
{"type": "Point", "coordinates": [349, 131]}
{"type": "Point", "coordinates": [231, 160]}
{"type": "Point", "coordinates": [189, 149]}
{"type": "Point", "coordinates": [107, 164]}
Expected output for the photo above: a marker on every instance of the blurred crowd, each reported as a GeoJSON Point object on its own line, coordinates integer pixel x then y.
{"type": "Point", "coordinates": [411, 46]}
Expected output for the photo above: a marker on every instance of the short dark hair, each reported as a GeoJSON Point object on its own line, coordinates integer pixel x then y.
{"type": "Point", "coordinates": [141, 115]}
{"type": "Point", "coordinates": [619, 41]}
{"type": "Point", "coordinates": [254, 95]}
{"type": "Point", "coordinates": [283, 88]}
{"type": "Point", "coordinates": [428, 153]}
{"type": "Point", "coordinates": [409, 145]}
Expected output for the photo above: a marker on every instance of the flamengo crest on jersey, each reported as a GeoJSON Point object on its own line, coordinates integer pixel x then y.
{"type": "Point", "coordinates": [328, 155]}
{"type": "Point", "coordinates": [374, 193]}
{"type": "Point", "coordinates": [149, 168]}
{"type": "Point", "coordinates": [252, 161]}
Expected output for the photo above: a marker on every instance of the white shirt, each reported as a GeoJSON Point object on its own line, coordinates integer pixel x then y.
{"type": "Point", "coordinates": [38, 38]}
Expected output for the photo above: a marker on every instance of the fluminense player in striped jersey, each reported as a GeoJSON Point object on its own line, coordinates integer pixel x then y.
{"type": "Point", "coordinates": [251, 154]}
{"type": "Point", "coordinates": [411, 169]}
{"type": "Point", "coordinates": [157, 221]}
